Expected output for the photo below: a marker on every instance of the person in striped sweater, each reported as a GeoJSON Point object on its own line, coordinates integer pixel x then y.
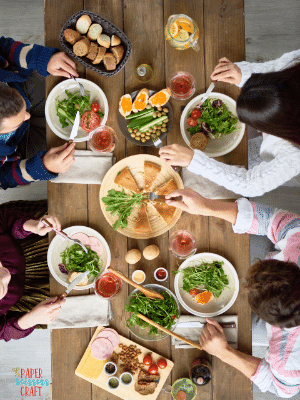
{"type": "Point", "coordinates": [273, 287]}
{"type": "Point", "coordinates": [18, 62]}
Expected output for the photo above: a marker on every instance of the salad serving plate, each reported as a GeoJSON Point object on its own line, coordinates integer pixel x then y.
{"type": "Point", "coordinates": [59, 244]}
{"type": "Point", "coordinates": [96, 95]}
{"type": "Point", "coordinates": [226, 143]}
{"type": "Point", "coordinates": [216, 306]}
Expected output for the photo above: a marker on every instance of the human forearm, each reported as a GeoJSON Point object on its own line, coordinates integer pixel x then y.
{"type": "Point", "coordinates": [223, 209]}
{"type": "Point", "coordinates": [241, 361]}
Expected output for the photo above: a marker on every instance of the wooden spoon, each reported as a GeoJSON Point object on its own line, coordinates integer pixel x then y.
{"type": "Point", "coordinates": [147, 292]}
{"type": "Point", "coordinates": [190, 342]}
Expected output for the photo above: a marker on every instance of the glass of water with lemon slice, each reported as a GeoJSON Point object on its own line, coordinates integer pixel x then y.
{"type": "Point", "coordinates": [182, 32]}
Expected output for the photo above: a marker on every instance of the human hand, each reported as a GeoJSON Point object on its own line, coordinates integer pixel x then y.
{"type": "Point", "coordinates": [44, 313]}
{"type": "Point", "coordinates": [227, 71]}
{"type": "Point", "coordinates": [213, 340]}
{"type": "Point", "coordinates": [37, 226]}
{"type": "Point", "coordinates": [59, 159]}
{"type": "Point", "coordinates": [192, 202]}
{"type": "Point", "coordinates": [61, 65]}
{"type": "Point", "coordinates": [176, 155]}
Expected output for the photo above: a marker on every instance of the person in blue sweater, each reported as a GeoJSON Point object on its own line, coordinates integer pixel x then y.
{"type": "Point", "coordinates": [18, 63]}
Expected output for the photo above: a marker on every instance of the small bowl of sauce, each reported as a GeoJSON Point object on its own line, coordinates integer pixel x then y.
{"type": "Point", "coordinates": [126, 378]}
{"type": "Point", "coordinates": [110, 368]}
{"type": "Point", "coordinates": [161, 274]}
{"type": "Point", "coordinates": [113, 383]}
{"type": "Point", "coordinates": [138, 276]}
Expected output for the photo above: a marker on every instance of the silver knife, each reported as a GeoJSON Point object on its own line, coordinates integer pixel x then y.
{"type": "Point", "coordinates": [73, 284]}
{"type": "Point", "coordinates": [198, 324]}
{"type": "Point", "coordinates": [75, 127]}
{"type": "Point", "coordinates": [208, 92]}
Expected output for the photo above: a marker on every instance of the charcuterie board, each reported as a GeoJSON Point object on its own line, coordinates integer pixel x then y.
{"type": "Point", "coordinates": [91, 369]}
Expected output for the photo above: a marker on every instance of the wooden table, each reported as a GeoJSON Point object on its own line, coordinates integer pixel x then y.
{"type": "Point", "coordinates": [221, 34]}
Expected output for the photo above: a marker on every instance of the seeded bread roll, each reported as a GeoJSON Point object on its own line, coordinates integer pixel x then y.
{"type": "Point", "coordinates": [118, 52]}
{"type": "Point", "coordinates": [93, 51]}
{"type": "Point", "coordinates": [83, 24]}
{"type": "Point", "coordinates": [104, 40]}
{"type": "Point", "coordinates": [100, 55]}
{"type": "Point", "coordinates": [73, 275]}
{"type": "Point", "coordinates": [81, 48]}
{"type": "Point", "coordinates": [71, 36]}
{"type": "Point", "coordinates": [115, 40]}
{"type": "Point", "coordinates": [199, 141]}
{"type": "Point", "coordinates": [109, 61]}
{"type": "Point", "coordinates": [94, 31]}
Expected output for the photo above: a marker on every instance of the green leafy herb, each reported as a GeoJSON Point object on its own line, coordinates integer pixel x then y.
{"type": "Point", "coordinates": [75, 259]}
{"type": "Point", "coordinates": [194, 129]}
{"type": "Point", "coordinates": [67, 108]}
{"type": "Point", "coordinates": [163, 312]}
{"type": "Point", "coordinates": [100, 113]}
{"type": "Point", "coordinates": [121, 204]}
{"type": "Point", "coordinates": [209, 276]}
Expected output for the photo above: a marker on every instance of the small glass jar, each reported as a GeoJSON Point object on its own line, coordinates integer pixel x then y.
{"type": "Point", "coordinates": [182, 85]}
{"type": "Point", "coordinates": [182, 244]}
{"type": "Point", "coordinates": [103, 139]}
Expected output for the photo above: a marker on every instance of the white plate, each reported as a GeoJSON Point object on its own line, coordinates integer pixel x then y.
{"type": "Point", "coordinates": [96, 95]}
{"type": "Point", "coordinates": [216, 306]}
{"type": "Point", "coordinates": [59, 244]}
{"type": "Point", "coordinates": [226, 143]}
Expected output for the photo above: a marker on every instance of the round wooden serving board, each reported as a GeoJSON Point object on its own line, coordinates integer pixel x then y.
{"type": "Point", "coordinates": [136, 167]}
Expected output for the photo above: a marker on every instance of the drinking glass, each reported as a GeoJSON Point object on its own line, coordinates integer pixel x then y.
{"type": "Point", "coordinates": [182, 32]}
{"type": "Point", "coordinates": [182, 85]}
{"type": "Point", "coordinates": [108, 285]}
{"type": "Point", "coordinates": [182, 244]}
{"type": "Point", "coordinates": [103, 139]}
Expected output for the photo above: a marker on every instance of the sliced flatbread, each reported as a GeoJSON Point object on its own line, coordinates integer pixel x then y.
{"type": "Point", "coordinates": [167, 188]}
{"type": "Point", "coordinates": [151, 171]}
{"type": "Point", "coordinates": [142, 222]}
{"type": "Point", "coordinates": [165, 211]}
{"type": "Point", "coordinates": [126, 180]}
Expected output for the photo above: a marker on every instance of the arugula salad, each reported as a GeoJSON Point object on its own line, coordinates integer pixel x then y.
{"type": "Point", "coordinates": [212, 118]}
{"type": "Point", "coordinates": [75, 259]}
{"type": "Point", "coordinates": [208, 275]}
{"type": "Point", "coordinates": [163, 312]}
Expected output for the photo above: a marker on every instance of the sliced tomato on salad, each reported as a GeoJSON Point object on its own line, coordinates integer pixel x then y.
{"type": "Point", "coordinates": [193, 292]}
{"type": "Point", "coordinates": [89, 121]}
{"type": "Point", "coordinates": [191, 121]}
{"type": "Point", "coordinates": [196, 113]}
{"type": "Point", "coordinates": [95, 107]}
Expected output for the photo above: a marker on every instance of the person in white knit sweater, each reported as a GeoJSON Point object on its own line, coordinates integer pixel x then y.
{"type": "Point", "coordinates": [270, 102]}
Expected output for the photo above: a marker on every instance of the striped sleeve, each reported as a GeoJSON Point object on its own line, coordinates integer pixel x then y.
{"type": "Point", "coordinates": [27, 56]}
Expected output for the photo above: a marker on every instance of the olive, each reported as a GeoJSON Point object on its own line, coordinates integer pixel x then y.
{"type": "Point", "coordinates": [158, 133]}
{"type": "Point", "coordinates": [153, 136]}
{"type": "Point", "coordinates": [159, 108]}
{"type": "Point", "coordinates": [132, 135]}
{"type": "Point", "coordinates": [147, 137]}
{"type": "Point", "coordinates": [138, 134]}
{"type": "Point", "coordinates": [130, 130]}
{"type": "Point", "coordinates": [163, 113]}
{"type": "Point", "coordinates": [150, 130]}
{"type": "Point", "coordinates": [154, 114]}
{"type": "Point", "coordinates": [166, 120]}
{"type": "Point", "coordinates": [148, 106]}
{"type": "Point", "coordinates": [163, 124]}
{"type": "Point", "coordinates": [159, 114]}
{"type": "Point", "coordinates": [164, 129]}
{"type": "Point", "coordinates": [143, 140]}
{"type": "Point", "coordinates": [135, 130]}
{"type": "Point", "coordinates": [154, 127]}
{"type": "Point", "coordinates": [165, 109]}
{"type": "Point", "coordinates": [142, 135]}
{"type": "Point", "coordinates": [137, 138]}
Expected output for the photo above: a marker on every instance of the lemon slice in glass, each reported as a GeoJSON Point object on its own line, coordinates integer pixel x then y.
{"type": "Point", "coordinates": [182, 35]}
{"type": "Point", "coordinates": [173, 29]}
{"type": "Point", "coordinates": [186, 25]}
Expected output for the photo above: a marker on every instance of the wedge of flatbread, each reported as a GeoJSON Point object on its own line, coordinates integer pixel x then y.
{"type": "Point", "coordinates": [164, 210]}
{"type": "Point", "coordinates": [126, 180]}
{"type": "Point", "coordinates": [151, 171]}
{"type": "Point", "coordinates": [167, 188]}
{"type": "Point", "coordinates": [142, 222]}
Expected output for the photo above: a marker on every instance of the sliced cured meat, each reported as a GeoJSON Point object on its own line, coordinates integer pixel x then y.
{"type": "Point", "coordinates": [111, 330]}
{"type": "Point", "coordinates": [96, 245]}
{"type": "Point", "coordinates": [110, 336]}
{"type": "Point", "coordinates": [82, 237]}
{"type": "Point", "coordinates": [102, 348]}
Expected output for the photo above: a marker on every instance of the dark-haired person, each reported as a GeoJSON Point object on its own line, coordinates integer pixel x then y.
{"type": "Point", "coordinates": [22, 89]}
{"type": "Point", "coordinates": [269, 101]}
{"type": "Point", "coordinates": [14, 226]}
{"type": "Point", "coordinates": [273, 287]}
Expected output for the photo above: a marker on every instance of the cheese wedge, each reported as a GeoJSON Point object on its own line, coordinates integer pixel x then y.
{"type": "Point", "coordinates": [151, 171]}
{"type": "Point", "coordinates": [89, 366]}
{"type": "Point", "coordinates": [142, 224]}
{"type": "Point", "coordinates": [126, 180]}
{"type": "Point", "coordinates": [167, 188]}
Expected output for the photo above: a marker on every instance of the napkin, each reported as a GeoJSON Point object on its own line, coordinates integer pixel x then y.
{"type": "Point", "coordinates": [205, 187]}
{"type": "Point", "coordinates": [88, 168]}
{"type": "Point", "coordinates": [82, 312]}
{"type": "Point", "coordinates": [185, 328]}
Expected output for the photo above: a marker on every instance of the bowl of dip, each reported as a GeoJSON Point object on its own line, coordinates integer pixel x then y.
{"type": "Point", "coordinates": [138, 276]}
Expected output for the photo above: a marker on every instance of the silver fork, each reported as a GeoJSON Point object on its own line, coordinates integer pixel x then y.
{"type": "Point", "coordinates": [64, 235]}
{"type": "Point", "coordinates": [153, 196]}
{"type": "Point", "coordinates": [81, 88]}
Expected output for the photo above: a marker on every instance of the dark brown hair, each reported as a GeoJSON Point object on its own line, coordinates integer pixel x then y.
{"type": "Point", "coordinates": [270, 103]}
{"type": "Point", "coordinates": [11, 102]}
{"type": "Point", "coordinates": [274, 292]}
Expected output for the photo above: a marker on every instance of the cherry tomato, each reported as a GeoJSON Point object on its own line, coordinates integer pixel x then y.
{"type": "Point", "coordinates": [89, 121]}
{"type": "Point", "coordinates": [95, 107]}
{"type": "Point", "coordinates": [153, 369]}
{"type": "Point", "coordinates": [191, 121]}
{"type": "Point", "coordinates": [162, 363]}
{"type": "Point", "coordinates": [147, 360]}
{"type": "Point", "coordinates": [193, 292]}
{"type": "Point", "coordinates": [173, 317]}
{"type": "Point", "coordinates": [196, 113]}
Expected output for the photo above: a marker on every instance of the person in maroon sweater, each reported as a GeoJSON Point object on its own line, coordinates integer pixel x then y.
{"type": "Point", "coordinates": [16, 325]}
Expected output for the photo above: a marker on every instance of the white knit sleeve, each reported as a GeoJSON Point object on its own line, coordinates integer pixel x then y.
{"type": "Point", "coordinates": [249, 183]}
{"type": "Point", "coordinates": [285, 61]}
{"type": "Point", "coordinates": [244, 216]}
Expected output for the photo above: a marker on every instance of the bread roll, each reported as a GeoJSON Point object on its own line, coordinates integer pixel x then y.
{"type": "Point", "coordinates": [71, 36]}
{"type": "Point", "coordinates": [109, 61]}
{"type": "Point", "coordinates": [94, 31]}
{"type": "Point", "coordinates": [83, 24]}
{"type": "Point", "coordinates": [73, 275]}
{"type": "Point", "coordinates": [100, 55]}
{"type": "Point", "coordinates": [93, 51]}
{"type": "Point", "coordinates": [115, 40]}
{"type": "Point", "coordinates": [81, 48]}
{"type": "Point", "coordinates": [104, 40]}
{"type": "Point", "coordinates": [199, 141]}
{"type": "Point", "coordinates": [118, 52]}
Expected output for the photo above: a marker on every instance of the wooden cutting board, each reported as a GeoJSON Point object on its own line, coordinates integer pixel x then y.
{"type": "Point", "coordinates": [91, 370]}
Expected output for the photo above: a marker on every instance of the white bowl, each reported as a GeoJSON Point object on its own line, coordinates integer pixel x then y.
{"type": "Point", "coordinates": [226, 143]}
{"type": "Point", "coordinates": [59, 244]}
{"type": "Point", "coordinates": [216, 306]}
{"type": "Point", "coordinates": [96, 95]}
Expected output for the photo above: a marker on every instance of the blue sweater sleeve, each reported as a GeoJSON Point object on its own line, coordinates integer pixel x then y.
{"type": "Point", "coordinates": [27, 56]}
